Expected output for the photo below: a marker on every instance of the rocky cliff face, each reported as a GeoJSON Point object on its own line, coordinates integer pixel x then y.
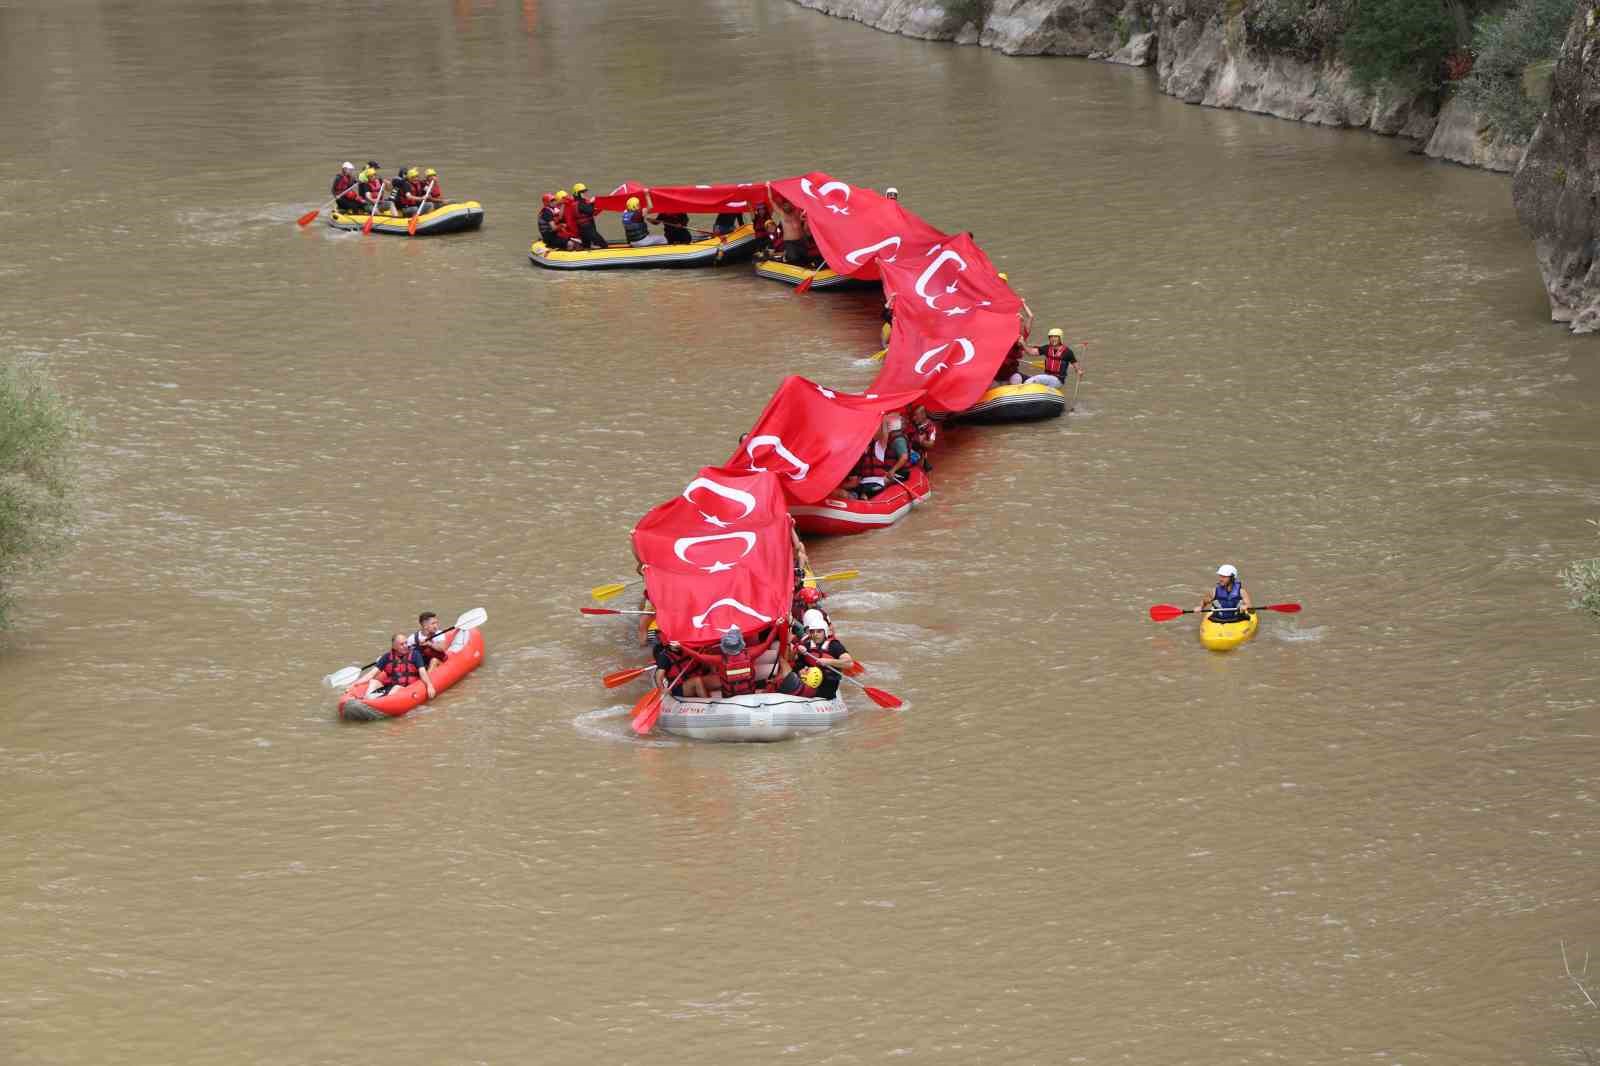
{"type": "Point", "coordinates": [1557, 187]}
{"type": "Point", "coordinates": [1203, 54]}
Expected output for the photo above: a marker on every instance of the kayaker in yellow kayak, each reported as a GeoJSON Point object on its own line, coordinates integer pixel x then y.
{"type": "Point", "coordinates": [1231, 598]}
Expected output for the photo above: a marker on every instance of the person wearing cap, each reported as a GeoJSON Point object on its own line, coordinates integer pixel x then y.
{"type": "Point", "coordinates": [408, 191]}
{"type": "Point", "coordinates": [433, 191]}
{"type": "Point", "coordinates": [736, 672]}
{"type": "Point", "coordinates": [818, 648]}
{"type": "Point", "coordinates": [1024, 316]}
{"type": "Point", "coordinates": [347, 197]}
{"type": "Point", "coordinates": [587, 233]}
{"type": "Point", "coordinates": [566, 222]}
{"type": "Point", "coordinates": [892, 193]}
{"type": "Point", "coordinates": [547, 223]}
{"type": "Point", "coordinates": [886, 457]}
{"type": "Point", "coordinates": [636, 228]}
{"type": "Point", "coordinates": [1230, 597]}
{"type": "Point", "coordinates": [1057, 357]}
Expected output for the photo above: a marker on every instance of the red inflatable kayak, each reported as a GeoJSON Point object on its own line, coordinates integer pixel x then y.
{"type": "Point", "coordinates": [837, 517]}
{"type": "Point", "coordinates": [360, 703]}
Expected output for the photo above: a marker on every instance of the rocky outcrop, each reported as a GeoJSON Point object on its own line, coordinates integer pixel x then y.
{"type": "Point", "coordinates": [1203, 54]}
{"type": "Point", "coordinates": [1557, 186]}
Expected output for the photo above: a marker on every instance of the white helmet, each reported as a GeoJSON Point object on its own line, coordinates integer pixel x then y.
{"type": "Point", "coordinates": [347, 165]}
{"type": "Point", "coordinates": [891, 191]}
{"type": "Point", "coordinates": [815, 619]}
{"type": "Point", "coordinates": [1227, 570]}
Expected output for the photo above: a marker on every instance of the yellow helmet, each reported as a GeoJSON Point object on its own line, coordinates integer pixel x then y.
{"type": "Point", "coordinates": [633, 203]}
{"type": "Point", "coordinates": [413, 173]}
{"type": "Point", "coordinates": [579, 186]}
{"type": "Point", "coordinates": [1054, 334]}
{"type": "Point", "coordinates": [366, 174]}
{"type": "Point", "coordinates": [652, 627]}
{"type": "Point", "coordinates": [561, 194]}
{"type": "Point", "coordinates": [430, 173]}
{"type": "Point", "coordinates": [812, 676]}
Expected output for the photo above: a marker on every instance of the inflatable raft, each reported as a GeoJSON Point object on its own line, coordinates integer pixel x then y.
{"type": "Point", "coordinates": [740, 244]}
{"type": "Point", "coordinates": [451, 218]}
{"type": "Point", "coordinates": [831, 517]}
{"type": "Point", "coordinates": [761, 716]}
{"type": "Point", "coordinates": [361, 703]}
{"type": "Point", "coordinates": [1222, 636]}
{"type": "Point", "coordinates": [1015, 403]}
{"type": "Point", "coordinates": [790, 274]}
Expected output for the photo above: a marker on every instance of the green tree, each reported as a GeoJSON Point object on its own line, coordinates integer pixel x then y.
{"type": "Point", "coordinates": [38, 437]}
{"type": "Point", "coordinates": [1505, 44]}
{"type": "Point", "coordinates": [1401, 43]}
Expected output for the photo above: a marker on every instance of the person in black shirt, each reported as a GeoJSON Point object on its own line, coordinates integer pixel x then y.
{"type": "Point", "coordinates": [817, 648]}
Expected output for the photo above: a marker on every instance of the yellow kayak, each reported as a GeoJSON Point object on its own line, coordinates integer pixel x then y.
{"type": "Point", "coordinates": [710, 251]}
{"type": "Point", "coordinates": [1222, 636]}
{"type": "Point", "coordinates": [451, 218]}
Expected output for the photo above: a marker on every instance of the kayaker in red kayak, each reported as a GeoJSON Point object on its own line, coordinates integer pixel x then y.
{"type": "Point", "coordinates": [400, 666]}
{"type": "Point", "coordinates": [428, 639]}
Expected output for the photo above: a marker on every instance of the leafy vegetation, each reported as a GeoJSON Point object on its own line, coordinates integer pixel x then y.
{"type": "Point", "coordinates": [1506, 44]}
{"type": "Point", "coordinates": [38, 434]}
{"type": "Point", "coordinates": [1582, 580]}
{"type": "Point", "coordinates": [1400, 43]}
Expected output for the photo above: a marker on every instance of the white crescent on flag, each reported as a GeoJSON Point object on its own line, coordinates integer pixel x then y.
{"type": "Point", "coordinates": [681, 546]}
{"type": "Point", "coordinates": [968, 351]}
{"type": "Point", "coordinates": [738, 496]}
{"type": "Point", "coordinates": [699, 620]}
{"type": "Point", "coordinates": [801, 467]}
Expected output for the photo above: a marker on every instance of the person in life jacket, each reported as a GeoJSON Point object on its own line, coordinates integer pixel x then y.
{"type": "Point", "coordinates": [1057, 357]}
{"type": "Point", "coordinates": [1010, 371]}
{"type": "Point", "coordinates": [886, 457]}
{"type": "Point", "coordinates": [803, 682]}
{"type": "Point", "coordinates": [587, 233]}
{"type": "Point", "coordinates": [758, 221]}
{"type": "Point", "coordinates": [736, 673]}
{"type": "Point", "coordinates": [806, 598]}
{"type": "Point", "coordinates": [567, 220]}
{"type": "Point", "coordinates": [1024, 316]}
{"type": "Point", "coordinates": [345, 189]}
{"type": "Point", "coordinates": [400, 666]}
{"type": "Point", "coordinates": [817, 648]}
{"type": "Point", "coordinates": [408, 191]}
{"type": "Point", "coordinates": [371, 186]}
{"type": "Point", "coordinates": [547, 223]}
{"type": "Point", "coordinates": [636, 228]}
{"type": "Point", "coordinates": [923, 435]}
{"type": "Point", "coordinates": [428, 639]}
{"type": "Point", "coordinates": [676, 226]}
{"type": "Point", "coordinates": [1231, 599]}
{"type": "Point", "coordinates": [435, 196]}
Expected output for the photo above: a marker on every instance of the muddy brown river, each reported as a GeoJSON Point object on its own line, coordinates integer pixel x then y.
{"type": "Point", "coordinates": [1361, 839]}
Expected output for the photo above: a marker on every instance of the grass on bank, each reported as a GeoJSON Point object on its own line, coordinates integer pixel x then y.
{"type": "Point", "coordinates": [1582, 580]}
{"type": "Point", "coordinates": [39, 433]}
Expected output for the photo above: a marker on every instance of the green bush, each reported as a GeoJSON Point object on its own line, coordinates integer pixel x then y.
{"type": "Point", "coordinates": [1400, 43]}
{"type": "Point", "coordinates": [38, 434]}
{"type": "Point", "coordinates": [1582, 580]}
{"type": "Point", "coordinates": [1505, 44]}
{"type": "Point", "coordinates": [1305, 28]}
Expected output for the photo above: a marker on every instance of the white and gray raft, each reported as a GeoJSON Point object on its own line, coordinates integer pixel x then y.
{"type": "Point", "coordinates": [761, 716]}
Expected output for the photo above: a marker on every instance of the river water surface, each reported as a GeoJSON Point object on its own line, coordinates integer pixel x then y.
{"type": "Point", "coordinates": [1362, 838]}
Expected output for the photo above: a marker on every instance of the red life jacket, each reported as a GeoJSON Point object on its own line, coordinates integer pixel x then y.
{"type": "Point", "coordinates": [400, 671]}
{"type": "Point", "coordinates": [430, 654]}
{"type": "Point", "coordinates": [1055, 360]}
{"type": "Point", "coordinates": [341, 182]}
{"type": "Point", "coordinates": [568, 225]}
{"type": "Point", "coordinates": [738, 674]}
{"type": "Point", "coordinates": [372, 191]}
{"type": "Point", "coordinates": [874, 465]}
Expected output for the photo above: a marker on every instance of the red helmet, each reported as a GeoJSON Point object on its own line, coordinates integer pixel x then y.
{"type": "Point", "coordinates": [549, 197]}
{"type": "Point", "coordinates": [810, 596]}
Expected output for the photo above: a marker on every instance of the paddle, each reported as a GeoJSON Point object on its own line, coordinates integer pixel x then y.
{"type": "Point", "coordinates": [879, 354]}
{"type": "Point", "coordinates": [876, 695]}
{"type": "Point", "coordinates": [648, 709]}
{"type": "Point", "coordinates": [310, 216]}
{"type": "Point", "coordinates": [618, 678]}
{"type": "Point", "coordinates": [411, 227]}
{"type": "Point", "coordinates": [613, 610]}
{"type": "Point", "coordinates": [805, 283]}
{"type": "Point", "coordinates": [1166, 612]}
{"type": "Point", "coordinates": [373, 217]}
{"type": "Point", "coordinates": [340, 678]}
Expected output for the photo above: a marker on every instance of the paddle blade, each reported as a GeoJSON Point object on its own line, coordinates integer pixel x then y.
{"type": "Point", "coordinates": [1164, 612]}
{"type": "Point", "coordinates": [840, 575]}
{"type": "Point", "coordinates": [618, 678]}
{"type": "Point", "coordinates": [605, 592]}
{"type": "Point", "coordinates": [342, 678]}
{"type": "Point", "coordinates": [366, 229]}
{"type": "Point", "coordinates": [472, 619]}
{"type": "Point", "coordinates": [879, 354]}
{"type": "Point", "coordinates": [598, 610]}
{"type": "Point", "coordinates": [307, 218]}
{"type": "Point", "coordinates": [1281, 608]}
{"type": "Point", "coordinates": [411, 227]}
{"type": "Point", "coordinates": [882, 698]}
{"type": "Point", "coordinates": [646, 711]}
{"type": "Point", "coordinates": [805, 285]}
{"type": "Point", "coordinates": [856, 668]}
